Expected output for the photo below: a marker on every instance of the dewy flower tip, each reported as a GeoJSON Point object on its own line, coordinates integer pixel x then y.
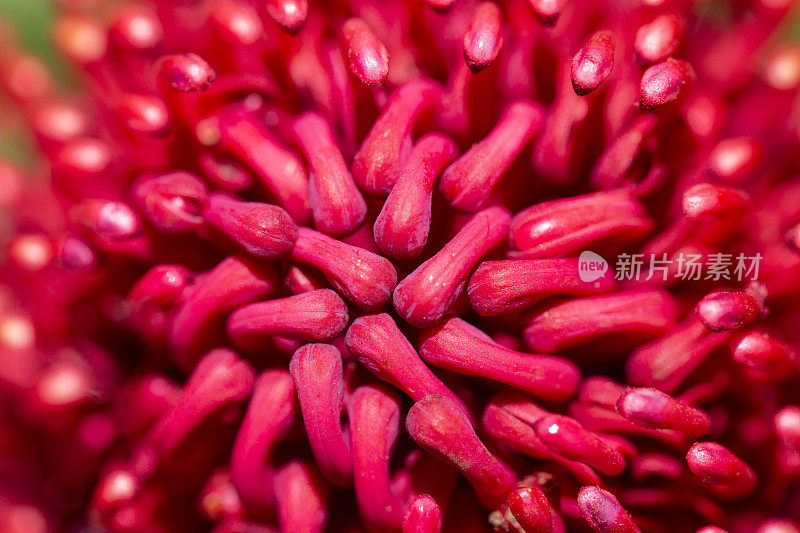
{"type": "Point", "coordinates": [604, 512]}
{"type": "Point", "coordinates": [290, 15]}
{"type": "Point", "coordinates": [593, 63]}
{"type": "Point", "coordinates": [726, 310]}
{"type": "Point", "coordinates": [721, 470]}
{"type": "Point", "coordinates": [482, 40]}
{"type": "Point", "coordinates": [664, 82]}
{"type": "Point", "coordinates": [186, 72]}
{"type": "Point", "coordinates": [366, 54]}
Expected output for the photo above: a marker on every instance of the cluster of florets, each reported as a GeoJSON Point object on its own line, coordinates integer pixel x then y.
{"type": "Point", "coordinates": [319, 268]}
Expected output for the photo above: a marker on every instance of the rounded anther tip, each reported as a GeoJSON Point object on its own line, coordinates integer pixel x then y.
{"type": "Point", "coordinates": [186, 72]}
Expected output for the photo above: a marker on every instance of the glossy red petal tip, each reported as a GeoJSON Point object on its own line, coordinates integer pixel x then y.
{"type": "Point", "coordinates": [288, 14]}
{"type": "Point", "coordinates": [724, 311]}
{"type": "Point", "coordinates": [720, 469]}
{"type": "Point", "coordinates": [593, 63]}
{"type": "Point", "coordinates": [186, 72]}
{"type": "Point", "coordinates": [366, 55]}
{"type": "Point", "coordinates": [659, 39]}
{"type": "Point", "coordinates": [482, 40]}
{"type": "Point", "coordinates": [604, 512]}
{"type": "Point", "coordinates": [664, 82]}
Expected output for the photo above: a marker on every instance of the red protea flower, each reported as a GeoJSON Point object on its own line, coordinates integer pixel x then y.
{"type": "Point", "coordinates": [403, 266]}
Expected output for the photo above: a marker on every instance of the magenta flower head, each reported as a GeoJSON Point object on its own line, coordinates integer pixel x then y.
{"type": "Point", "coordinates": [421, 224]}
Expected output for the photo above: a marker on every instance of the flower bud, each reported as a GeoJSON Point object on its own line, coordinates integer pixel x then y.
{"type": "Point", "coordinates": [468, 183]}
{"type": "Point", "coordinates": [172, 201]}
{"type": "Point", "coordinates": [312, 316]}
{"type": "Point", "coordinates": [425, 295]}
{"type": "Point", "coordinates": [655, 409]}
{"type": "Point", "coordinates": [567, 437]}
{"type": "Point", "coordinates": [659, 39]}
{"type": "Point", "coordinates": [366, 55]}
{"type": "Point", "coordinates": [364, 278]}
{"type": "Point", "coordinates": [439, 425]}
{"type": "Point", "coordinates": [664, 82]}
{"type": "Point", "coordinates": [263, 230]}
{"type": "Point", "coordinates": [727, 475]}
{"type": "Point", "coordinates": [463, 348]}
{"type": "Point", "coordinates": [603, 511]}
{"type": "Point", "coordinates": [377, 165]}
{"type": "Point", "coordinates": [482, 39]}
{"type": "Point", "coordinates": [593, 63]}
{"type": "Point", "coordinates": [402, 227]}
